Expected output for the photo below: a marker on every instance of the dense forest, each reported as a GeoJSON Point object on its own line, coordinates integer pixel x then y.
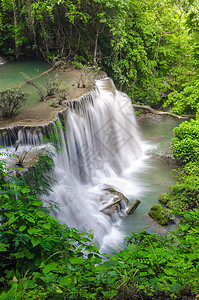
{"type": "Point", "coordinates": [150, 48]}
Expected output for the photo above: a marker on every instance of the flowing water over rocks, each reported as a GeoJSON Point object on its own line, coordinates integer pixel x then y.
{"type": "Point", "coordinates": [101, 149]}
{"type": "Point", "coordinates": [101, 142]}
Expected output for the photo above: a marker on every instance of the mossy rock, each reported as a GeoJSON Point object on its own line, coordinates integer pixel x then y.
{"type": "Point", "coordinates": [163, 198]}
{"type": "Point", "coordinates": [178, 204]}
{"type": "Point", "coordinates": [162, 215]}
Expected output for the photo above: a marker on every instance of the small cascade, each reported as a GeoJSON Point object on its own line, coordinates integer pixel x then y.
{"type": "Point", "coordinates": [100, 147]}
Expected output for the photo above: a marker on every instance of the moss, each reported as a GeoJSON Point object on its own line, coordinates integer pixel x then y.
{"type": "Point", "coordinates": [163, 198]}
{"type": "Point", "coordinates": [118, 194]}
{"type": "Point", "coordinates": [161, 215]}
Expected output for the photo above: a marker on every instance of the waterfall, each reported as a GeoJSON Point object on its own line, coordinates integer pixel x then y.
{"type": "Point", "coordinates": [101, 144]}
{"type": "Point", "coordinates": [100, 148]}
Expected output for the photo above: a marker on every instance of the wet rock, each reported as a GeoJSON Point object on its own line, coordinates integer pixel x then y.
{"type": "Point", "coordinates": [157, 137]}
{"type": "Point", "coordinates": [162, 215]}
{"type": "Point", "coordinates": [113, 201]}
{"type": "Point", "coordinates": [165, 160]}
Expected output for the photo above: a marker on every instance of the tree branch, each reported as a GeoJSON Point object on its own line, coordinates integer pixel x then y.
{"type": "Point", "coordinates": [157, 112]}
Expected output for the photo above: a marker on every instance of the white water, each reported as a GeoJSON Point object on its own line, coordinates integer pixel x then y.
{"type": "Point", "coordinates": [102, 149]}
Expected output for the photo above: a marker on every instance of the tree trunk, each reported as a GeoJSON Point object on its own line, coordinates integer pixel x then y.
{"type": "Point", "coordinates": [16, 24]}
{"type": "Point", "coordinates": [133, 207]}
{"type": "Point", "coordinates": [157, 112]}
{"type": "Point", "coordinates": [96, 45]}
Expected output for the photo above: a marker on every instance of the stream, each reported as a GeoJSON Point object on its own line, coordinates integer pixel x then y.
{"type": "Point", "coordinates": [129, 163]}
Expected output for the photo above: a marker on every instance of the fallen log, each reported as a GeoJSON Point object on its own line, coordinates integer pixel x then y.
{"type": "Point", "coordinates": [110, 205]}
{"type": "Point", "coordinates": [36, 77]}
{"type": "Point", "coordinates": [132, 208]}
{"type": "Point", "coordinates": [157, 112]}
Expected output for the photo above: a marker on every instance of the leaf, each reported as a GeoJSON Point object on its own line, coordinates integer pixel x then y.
{"type": "Point", "coordinates": [3, 247]}
{"type": "Point", "coordinates": [36, 202]}
{"type": "Point", "coordinates": [30, 219]}
{"type": "Point", "coordinates": [22, 228]}
{"type": "Point", "coordinates": [46, 226]}
{"type": "Point", "coordinates": [76, 260]}
{"type": "Point", "coordinates": [36, 240]}
{"type": "Point", "coordinates": [12, 219]}
{"type": "Point", "coordinates": [66, 280]}
{"type": "Point", "coordinates": [58, 290]}
{"type": "Point", "coordinates": [25, 190]}
{"type": "Point", "coordinates": [141, 287]}
{"type": "Point", "coordinates": [50, 267]}
{"type": "Point", "coordinates": [32, 231]}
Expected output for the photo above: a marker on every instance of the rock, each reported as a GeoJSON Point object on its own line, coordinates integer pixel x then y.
{"type": "Point", "coordinates": [164, 159]}
{"type": "Point", "coordinates": [157, 138]}
{"type": "Point", "coordinates": [162, 215]}
{"type": "Point", "coordinates": [163, 198]}
{"type": "Point", "coordinates": [119, 201]}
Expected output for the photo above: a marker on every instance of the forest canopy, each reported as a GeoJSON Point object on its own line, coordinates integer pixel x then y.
{"type": "Point", "coordinates": [149, 48]}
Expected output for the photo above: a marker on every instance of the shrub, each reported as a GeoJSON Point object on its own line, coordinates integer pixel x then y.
{"type": "Point", "coordinates": [184, 194]}
{"type": "Point", "coordinates": [11, 101]}
{"type": "Point", "coordinates": [186, 141]}
{"type": "Point", "coordinates": [186, 101]}
{"type": "Point", "coordinates": [53, 104]}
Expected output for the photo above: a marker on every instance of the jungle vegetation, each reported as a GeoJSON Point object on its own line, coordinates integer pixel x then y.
{"type": "Point", "coordinates": [151, 50]}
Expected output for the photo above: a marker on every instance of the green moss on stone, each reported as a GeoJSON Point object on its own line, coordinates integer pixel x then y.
{"type": "Point", "coordinates": [163, 198]}
{"type": "Point", "coordinates": [161, 215]}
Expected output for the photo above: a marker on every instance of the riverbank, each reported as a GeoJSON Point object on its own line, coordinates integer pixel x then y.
{"type": "Point", "coordinates": [43, 113]}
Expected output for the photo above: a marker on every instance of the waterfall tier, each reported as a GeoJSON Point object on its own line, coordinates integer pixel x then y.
{"type": "Point", "coordinates": [100, 146]}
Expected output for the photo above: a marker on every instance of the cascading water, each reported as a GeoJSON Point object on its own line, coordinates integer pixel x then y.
{"type": "Point", "coordinates": [101, 144]}
{"type": "Point", "coordinates": [101, 148]}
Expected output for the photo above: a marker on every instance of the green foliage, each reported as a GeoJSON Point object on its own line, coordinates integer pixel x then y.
{"type": "Point", "coordinates": [42, 259]}
{"type": "Point", "coordinates": [158, 266]}
{"type": "Point", "coordinates": [186, 101]}
{"type": "Point", "coordinates": [38, 177]}
{"type": "Point", "coordinates": [53, 104]}
{"type": "Point", "coordinates": [35, 249]}
{"type": "Point", "coordinates": [11, 101]}
{"type": "Point", "coordinates": [149, 48]}
{"type": "Point", "coordinates": [186, 141]}
{"type": "Point", "coordinates": [52, 85]}
{"type": "Point", "coordinates": [184, 195]}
